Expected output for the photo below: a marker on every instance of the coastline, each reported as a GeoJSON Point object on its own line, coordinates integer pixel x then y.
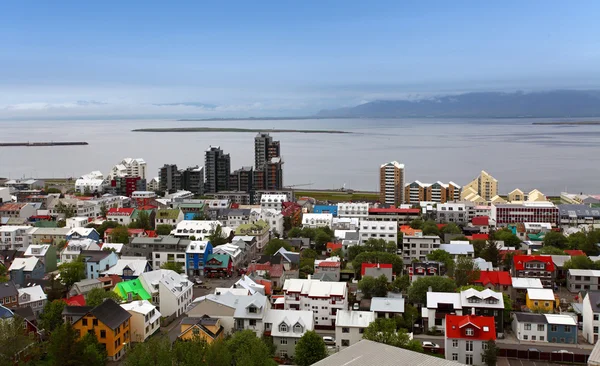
{"type": "Point", "coordinates": [583, 123]}
{"type": "Point", "coordinates": [220, 129]}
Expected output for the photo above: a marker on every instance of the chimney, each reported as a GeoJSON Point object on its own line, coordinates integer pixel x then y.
{"type": "Point", "coordinates": [429, 289]}
{"type": "Point", "coordinates": [472, 311]}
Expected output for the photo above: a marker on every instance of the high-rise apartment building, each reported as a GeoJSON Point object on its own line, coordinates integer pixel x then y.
{"type": "Point", "coordinates": [170, 178]}
{"type": "Point", "coordinates": [242, 180]}
{"type": "Point", "coordinates": [268, 165]}
{"type": "Point", "coordinates": [416, 192]}
{"type": "Point", "coordinates": [391, 183]}
{"type": "Point", "coordinates": [192, 179]}
{"type": "Point", "coordinates": [129, 167]}
{"type": "Point", "coordinates": [217, 169]}
{"type": "Point", "coordinates": [484, 186]}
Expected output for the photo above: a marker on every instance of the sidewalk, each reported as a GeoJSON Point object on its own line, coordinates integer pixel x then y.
{"type": "Point", "coordinates": [510, 339]}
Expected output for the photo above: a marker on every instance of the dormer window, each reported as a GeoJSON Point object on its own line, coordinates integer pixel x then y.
{"type": "Point", "coordinates": [469, 331]}
{"type": "Point", "coordinates": [283, 327]}
{"type": "Point", "coordinates": [252, 309]}
{"type": "Point", "coordinates": [297, 328]}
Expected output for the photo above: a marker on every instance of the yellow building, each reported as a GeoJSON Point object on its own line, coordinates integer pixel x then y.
{"type": "Point", "coordinates": [541, 298]}
{"type": "Point", "coordinates": [484, 186]}
{"type": "Point", "coordinates": [209, 329]}
{"type": "Point", "coordinates": [110, 323]}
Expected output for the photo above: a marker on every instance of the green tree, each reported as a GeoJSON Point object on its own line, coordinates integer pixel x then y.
{"type": "Point", "coordinates": [72, 272]}
{"type": "Point", "coordinates": [3, 274]}
{"type": "Point", "coordinates": [218, 354]}
{"type": "Point", "coordinates": [163, 229]}
{"type": "Point", "coordinates": [66, 209]}
{"type": "Point", "coordinates": [417, 292]}
{"type": "Point", "coordinates": [191, 352]}
{"type": "Point", "coordinates": [56, 289]}
{"type": "Point", "coordinates": [550, 250]}
{"type": "Point", "coordinates": [12, 340]}
{"type": "Point", "coordinates": [309, 253]}
{"type": "Point", "coordinates": [416, 224]}
{"type": "Point", "coordinates": [173, 266]}
{"type": "Point", "coordinates": [465, 271]}
{"type": "Point", "coordinates": [287, 223]}
{"type": "Point", "coordinates": [52, 190]}
{"type": "Point", "coordinates": [61, 223]}
{"type": "Point", "coordinates": [321, 240]}
{"type": "Point", "coordinates": [591, 245]}
{"type": "Point", "coordinates": [142, 221]}
{"type": "Point", "coordinates": [355, 250]}
{"type": "Point", "coordinates": [442, 256]}
{"type": "Point", "coordinates": [295, 232]}
{"type": "Point", "coordinates": [577, 240]}
{"type": "Point", "coordinates": [310, 349]}
{"type": "Point", "coordinates": [218, 237]}
{"type": "Point", "coordinates": [51, 318]}
{"type": "Point", "coordinates": [103, 210]}
{"type": "Point", "coordinates": [96, 296]}
{"type": "Point", "coordinates": [507, 236]}
{"type": "Point", "coordinates": [102, 228]}
{"type": "Point", "coordinates": [401, 283]}
{"type": "Point", "coordinates": [120, 234]}
{"type": "Point", "coordinates": [430, 228]}
{"type": "Point", "coordinates": [155, 351]}
{"type": "Point", "coordinates": [337, 253]}
{"type": "Point", "coordinates": [65, 348]}
{"type": "Point", "coordinates": [554, 239]}
{"type": "Point", "coordinates": [490, 354]}
{"type": "Point", "coordinates": [373, 287]}
{"type": "Point", "coordinates": [579, 262]}
{"type": "Point", "coordinates": [383, 330]}
{"type": "Point", "coordinates": [451, 228]}
{"type": "Point", "coordinates": [274, 245]}
{"type": "Point", "coordinates": [92, 351]}
{"type": "Point", "coordinates": [491, 253]}
{"type": "Point", "coordinates": [478, 247]}
{"type": "Point", "coordinates": [248, 350]}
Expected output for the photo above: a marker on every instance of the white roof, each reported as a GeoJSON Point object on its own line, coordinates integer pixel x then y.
{"type": "Point", "coordinates": [540, 294]}
{"type": "Point", "coordinates": [319, 217]}
{"type": "Point", "coordinates": [196, 246]}
{"type": "Point", "coordinates": [77, 245]}
{"type": "Point", "coordinates": [136, 264]}
{"type": "Point", "coordinates": [584, 272]}
{"type": "Point", "coordinates": [118, 247]}
{"type": "Point", "coordinates": [290, 318]}
{"type": "Point", "coordinates": [560, 319]}
{"type": "Point", "coordinates": [387, 304]}
{"type": "Point", "coordinates": [236, 291]}
{"type": "Point", "coordinates": [241, 302]}
{"type": "Point", "coordinates": [457, 249]}
{"type": "Point", "coordinates": [36, 293]}
{"type": "Point", "coordinates": [359, 319]}
{"type": "Point", "coordinates": [26, 264]}
{"type": "Point", "coordinates": [525, 283]}
{"type": "Point", "coordinates": [559, 260]}
{"type": "Point", "coordinates": [248, 284]}
{"type": "Point", "coordinates": [50, 231]}
{"type": "Point", "coordinates": [143, 307]}
{"type": "Point", "coordinates": [199, 228]}
{"type": "Point", "coordinates": [83, 231]}
{"type": "Point", "coordinates": [435, 298]}
{"type": "Point", "coordinates": [232, 250]}
{"type": "Point", "coordinates": [41, 250]}
{"type": "Point", "coordinates": [314, 288]}
{"type": "Point", "coordinates": [277, 198]}
{"type": "Point", "coordinates": [483, 265]}
{"type": "Point", "coordinates": [482, 295]}
{"type": "Point", "coordinates": [12, 228]}
{"type": "Point", "coordinates": [172, 280]}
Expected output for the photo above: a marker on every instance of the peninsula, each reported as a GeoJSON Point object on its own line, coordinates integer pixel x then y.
{"type": "Point", "coordinates": [583, 123]}
{"type": "Point", "coordinates": [227, 129]}
{"type": "Point", "coordinates": [36, 144]}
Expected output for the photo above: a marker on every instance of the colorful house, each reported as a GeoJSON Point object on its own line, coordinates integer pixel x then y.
{"type": "Point", "coordinates": [467, 336]}
{"type": "Point", "coordinates": [209, 329]}
{"type": "Point", "coordinates": [218, 265]}
{"type": "Point", "coordinates": [132, 290]}
{"type": "Point", "coordinates": [541, 298]}
{"type": "Point", "coordinates": [77, 233]}
{"type": "Point", "coordinates": [409, 231]}
{"type": "Point", "coordinates": [326, 209]}
{"type": "Point", "coordinates": [197, 253]}
{"type": "Point", "coordinates": [23, 269]}
{"type": "Point", "coordinates": [110, 323]}
{"type": "Point", "coordinates": [495, 280]}
{"type": "Point", "coordinates": [535, 266]}
{"type": "Point", "coordinates": [333, 246]}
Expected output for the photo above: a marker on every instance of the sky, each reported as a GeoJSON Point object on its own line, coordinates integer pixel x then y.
{"type": "Point", "coordinates": [82, 59]}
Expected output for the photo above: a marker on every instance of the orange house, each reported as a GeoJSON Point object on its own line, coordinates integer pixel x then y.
{"type": "Point", "coordinates": [209, 329]}
{"type": "Point", "coordinates": [409, 231]}
{"type": "Point", "coordinates": [110, 323]}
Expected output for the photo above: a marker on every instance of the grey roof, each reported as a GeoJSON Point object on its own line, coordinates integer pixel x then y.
{"type": "Point", "coordinates": [95, 255]}
{"type": "Point", "coordinates": [76, 312]}
{"type": "Point", "coordinates": [161, 240]}
{"type": "Point", "coordinates": [234, 212]}
{"type": "Point", "coordinates": [531, 318]}
{"type": "Point", "coordinates": [111, 314]}
{"type": "Point", "coordinates": [369, 353]}
{"type": "Point", "coordinates": [323, 277]}
{"type": "Point", "coordinates": [578, 211]}
{"type": "Point", "coordinates": [594, 300]}
{"type": "Point", "coordinates": [205, 320]}
{"type": "Point", "coordinates": [8, 289]}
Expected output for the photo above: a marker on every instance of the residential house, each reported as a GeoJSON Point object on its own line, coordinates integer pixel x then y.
{"type": "Point", "coordinates": [109, 281]}
{"type": "Point", "coordinates": [485, 303]}
{"type": "Point", "coordinates": [466, 338]}
{"type": "Point", "coordinates": [7, 257]}
{"type": "Point", "coordinates": [199, 230]}
{"type": "Point", "coordinates": [15, 237]}
{"type": "Point", "coordinates": [73, 222]}
{"type": "Point", "coordinates": [250, 285]}
{"type": "Point", "coordinates": [421, 269]}
{"type": "Point", "coordinates": [83, 233]}
{"type": "Point", "coordinates": [519, 289]}
{"type": "Point", "coordinates": [23, 269]}
{"type": "Point", "coordinates": [84, 286]}
{"type": "Point", "coordinates": [9, 295]}
{"type": "Point", "coordinates": [157, 250]}
{"type": "Point", "coordinates": [331, 247]}
{"type": "Point", "coordinates": [197, 253]}
{"type": "Point", "coordinates": [74, 248]}
{"type": "Point", "coordinates": [562, 328]}
{"type": "Point", "coordinates": [250, 247]}
{"type": "Point", "coordinates": [273, 201]}
{"type": "Point", "coordinates": [273, 271]}
{"type": "Point", "coordinates": [350, 326]}
{"type": "Point", "coordinates": [293, 211]}
{"type": "Point", "coordinates": [234, 217]}
{"type": "Point", "coordinates": [128, 268]}
{"type": "Point", "coordinates": [358, 210]}
{"type": "Point", "coordinates": [272, 217]}
{"type": "Point", "coordinates": [535, 266]}
{"type": "Point", "coordinates": [458, 248]}
{"type": "Point", "coordinates": [387, 307]}
{"type": "Point", "coordinates": [530, 327]}
{"type": "Point", "coordinates": [233, 251]}
{"type": "Point", "coordinates": [330, 266]}
{"type": "Point", "coordinates": [218, 265]}
{"type": "Point", "coordinates": [111, 325]}
{"type": "Point", "coordinates": [53, 236]}
{"type": "Point", "coordinates": [168, 216]}
{"type": "Point", "coordinates": [145, 319]}
{"type": "Point", "coordinates": [115, 247]}
{"type": "Point", "coordinates": [46, 253]}
{"type": "Point", "coordinates": [17, 210]}
{"type": "Point", "coordinates": [286, 327]}
{"type": "Point", "coordinates": [236, 312]}
{"type": "Point", "coordinates": [418, 247]}
{"type": "Point", "coordinates": [439, 305]}
{"type": "Point", "coordinates": [541, 299]}
{"type": "Point", "coordinates": [483, 265]}
{"type": "Point", "coordinates": [132, 233]}
{"type": "Point", "coordinates": [205, 327]}
{"type": "Point", "coordinates": [132, 290]}
{"type": "Point", "coordinates": [371, 229]}
{"type": "Point", "coordinates": [325, 299]}
{"type": "Point", "coordinates": [123, 216]}
{"type": "Point", "coordinates": [33, 297]}
{"type": "Point", "coordinates": [97, 262]}
{"type": "Point", "coordinates": [171, 292]}
{"type": "Point", "coordinates": [591, 316]}
{"type": "Point", "coordinates": [495, 280]}
{"type": "Point", "coordinates": [258, 229]}
{"type": "Point", "coordinates": [314, 221]}
{"type": "Point", "coordinates": [377, 270]}
{"type": "Point", "coordinates": [583, 280]}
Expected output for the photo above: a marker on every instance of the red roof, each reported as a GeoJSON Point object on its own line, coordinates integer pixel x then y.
{"type": "Point", "coordinates": [456, 326]}
{"type": "Point", "coordinates": [373, 265]}
{"type": "Point", "coordinates": [334, 246]}
{"type": "Point", "coordinates": [78, 300]}
{"type": "Point", "coordinates": [151, 233]}
{"type": "Point", "coordinates": [235, 205]}
{"type": "Point", "coordinates": [480, 236]}
{"type": "Point", "coordinates": [147, 207]}
{"type": "Point", "coordinates": [441, 226]}
{"type": "Point", "coordinates": [520, 260]}
{"type": "Point", "coordinates": [480, 221]}
{"type": "Point", "coordinates": [329, 264]}
{"type": "Point", "coordinates": [574, 252]}
{"type": "Point", "coordinates": [496, 278]}
{"type": "Point", "coordinates": [120, 211]}
{"type": "Point", "coordinates": [394, 210]}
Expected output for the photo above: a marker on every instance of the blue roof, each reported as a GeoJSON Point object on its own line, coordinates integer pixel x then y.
{"type": "Point", "coordinates": [5, 312]}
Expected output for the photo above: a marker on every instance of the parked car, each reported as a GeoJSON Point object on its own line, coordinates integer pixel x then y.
{"type": "Point", "coordinates": [563, 351]}
{"type": "Point", "coordinates": [427, 344]}
{"type": "Point", "coordinates": [330, 341]}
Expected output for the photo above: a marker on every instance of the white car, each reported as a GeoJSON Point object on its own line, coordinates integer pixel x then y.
{"type": "Point", "coordinates": [427, 344]}
{"type": "Point", "coordinates": [563, 351]}
{"type": "Point", "coordinates": [330, 341]}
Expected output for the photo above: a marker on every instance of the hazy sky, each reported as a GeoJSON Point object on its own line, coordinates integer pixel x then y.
{"type": "Point", "coordinates": [274, 58]}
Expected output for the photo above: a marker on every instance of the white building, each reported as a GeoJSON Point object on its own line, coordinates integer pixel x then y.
{"type": "Point", "coordinates": [530, 327]}
{"type": "Point", "coordinates": [271, 216]}
{"type": "Point", "coordinates": [74, 222]}
{"type": "Point", "coordinates": [124, 216]}
{"type": "Point", "coordinates": [74, 247]}
{"type": "Point", "coordinates": [129, 167]}
{"type": "Point", "coordinates": [171, 292]}
{"type": "Point", "coordinates": [325, 299]}
{"type": "Point", "coordinates": [387, 307]}
{"type": "Point", "coordinates": [287, 327]}
{"type": "Point", "coordinates": [15, 237]}
{"type": "Point", "coordinates": [34, 298]}
{"type": "Point", "coordinates": [314, 221]}
{"type": "Point", "coordinates": [443, 303]}
{"type": "Point", "coordinates": [248, 284]}
{"type": "Point", "coordinates": [233, 251]}
{"type": "Point", "coordinates": [273, 201]}
{"type": "Point", "coordinates": [591, 316]}
{"type": "Point", "coordinates": [93, 182]}
{"type": "Point", "coordinates": [153, 184]}
{"type": "Point", "coordinates": [459, 249]}
{"type": "Point", "coordinates": [145, 319]}
{"type": "Point", "coordinates": [168, 216]}
{"type": "Point", "coordinates": [418, 247]}
{"type": "Point", "coordinates": [116, 247]}
{"type": "Point", "coordinates": [345, 224]}
{"type": "Point", "coordinates": [386, 230]}
{"type": "Point", "coordinates": [200, 229]}
{"type": "Point", "coordinates": [128, 266]}
{"type": "Point", "coordinates": [351, 209]}
{"type": "Point", "coordinates": [350, 326]}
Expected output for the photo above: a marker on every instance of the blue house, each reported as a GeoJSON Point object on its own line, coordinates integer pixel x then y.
{"type": "Point", "coordinates": [23, 269]}
{"type": "Point", "coordinates": [98, 261]}
{"type": "Point", "coordinates": [326, 209]}
{"type": "Point", "coordinates": [197, 253]}
{"type": "Point", "coordinates": [83, 233]}
{"type": "Point", "coordinates": [562, 328]}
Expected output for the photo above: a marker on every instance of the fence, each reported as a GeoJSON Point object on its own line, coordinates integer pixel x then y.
{"type": "Point", "coordinates": [544, 356]}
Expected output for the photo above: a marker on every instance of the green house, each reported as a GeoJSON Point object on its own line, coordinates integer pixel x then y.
{"type": "Point", "coordinates": [132, 289]}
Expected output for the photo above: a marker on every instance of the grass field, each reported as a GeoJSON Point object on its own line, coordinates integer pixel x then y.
{"type": "Point", "coordinates": [338, 196]}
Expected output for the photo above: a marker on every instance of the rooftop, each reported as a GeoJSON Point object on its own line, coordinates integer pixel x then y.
{"type": "Point", "coordinates": [525, 283]}
{"type": "Point", "coordinates": [387, 304]}
{"type": "Point", "coordinates": [540, 294]}
{"type": "Point", "coordinates": [484, 324]}
{"type": "Point", "coordinates": [349, 318]}
{"type": "Point", "coordinates": [531, 318]}
{"type": "Point", "coordinates": [110, 314]}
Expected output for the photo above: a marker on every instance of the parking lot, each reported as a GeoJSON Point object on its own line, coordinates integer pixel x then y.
{"type": "Point", "coordinates": [516, 362]}
{"type": "Point", "coordinates": [213, 283]}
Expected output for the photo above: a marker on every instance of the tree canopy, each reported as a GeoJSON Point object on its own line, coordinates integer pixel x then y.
{"type": "Point", "coordinates": [451, 228]}
{"type": "Point", "coordinates": [163, 229]}
{"type": "Point", "coordinates": [442, 256]}
{"type": "Point", "coordinates": [96, 296]}
{"type": "Point", "coordinates": [65, 348]}
{"type": "Point", "coordinates": [416, 224]}
{"type": "Point", "coordinates": [507, 236]}
{"type": "Point", "coordinates": [173, 266]}
{"type": "Point", "coordinates": [417, 292]}
{"type": "Point", "coordinates": [550, 250]}
{"type": "Point", "coordinates": [430, 228]}
{"type": "Point", "coordinates": [310, 349]}
{"type": "Point", "coordinates": [400, 284]}
{"type": "Point", "coordinates": [383, 330]}
{"type": "Point", "coordinates": [217, 237]}
{"type": "Point", "coordinates": [465, 271]}
{"type": "Point", "coordinates": [373, 287]}
{"type": "Point", "coordinates": [12, 339]}
{"type": "Point", "coordinates": [555, 239]}
{"type": "Point", "coordinates": [581, 262]}
{"type": "Point", "coordinates": [142, 221]}
{"type": "Point", "coordinates": [275, 244]}
{"type": "Point", "coordinates": [378, 257]}
{"type": "Point", "coordinates": [72, 272]}
{"type": "Point", "coordinates": [120, 234]}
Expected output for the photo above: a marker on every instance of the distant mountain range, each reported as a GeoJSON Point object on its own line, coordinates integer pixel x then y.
{"type": "Point", "coordinates": [555, 103]}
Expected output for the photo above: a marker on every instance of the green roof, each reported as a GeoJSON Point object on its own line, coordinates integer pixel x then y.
{"type": "Point", "coordinates": [191, 205]}
{"type": "Point", "coordinates": [45, 223]}
{"type": "Point", "coordinates": [134, 287]}
{"type": "Point", "coordinates": [168, 213]}
{"type": "Point", "coordinates": [223, 258]}
{"type": "Point", "coordinates": [259, 227]}
{"type": "Point", "coordinates": [136, 213]}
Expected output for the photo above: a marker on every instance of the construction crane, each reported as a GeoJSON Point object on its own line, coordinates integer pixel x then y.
{"type": "Point", "coordinates": [300, 185]}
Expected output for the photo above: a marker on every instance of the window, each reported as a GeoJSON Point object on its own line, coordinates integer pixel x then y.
{"type": "Point", "coordinates": [469, 359]}
{"type": "Point", "coordinates": [541, 338]}
{"type": "Point", "coordinates": [283, 341]}
{"type": "Point", "coordinates": [102, 334]}
{"type": "Point", "coordinates": [345, 342]}
{"type": "Point", "coordinates": [196, 331]}
{"type": "Point", "coordinates": [596, 317]}
{"type": "Point", "coordinates": [253, 322]}
{"type": "Point", "coordinates": [541, 328]}
{"type": "Point", "coordinates": [455, 343]}
{"type": "Point", "coordinates": [595, 330]}
{"type": "Point", "coordinates": [553, 328]}
{"type": "Point", "coordinates": [525, 337]}
{"type": "Point", "coordinates": [484, 345]}
{"type": "Point", "coordinates": [361, 330]}
{"type": "Point", "coordinates": [283, 328]}
{"type": "Point", "coordinates": [455, 357]}
{"type": "Point", "coordinates": [568, 328]}
{"type": "Point", "coordinates": [533, 338]}
{"type": "Point", "coordinates": [469, 331]}
{"type": "Point", "coordinates": [527, 326]}
{"type": "Point", "coordinates": [469, 346]}
{"type": "Point", "coordinates": [535, 303]}
{"type": "Point", "coordinates": [345, 330]}
{"type": "Point", "coordinates": [95, 322]}
{"type": "Point", "coordinates": [546, 304]}
{"type": "Point", "coordinates": [84, 322]}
